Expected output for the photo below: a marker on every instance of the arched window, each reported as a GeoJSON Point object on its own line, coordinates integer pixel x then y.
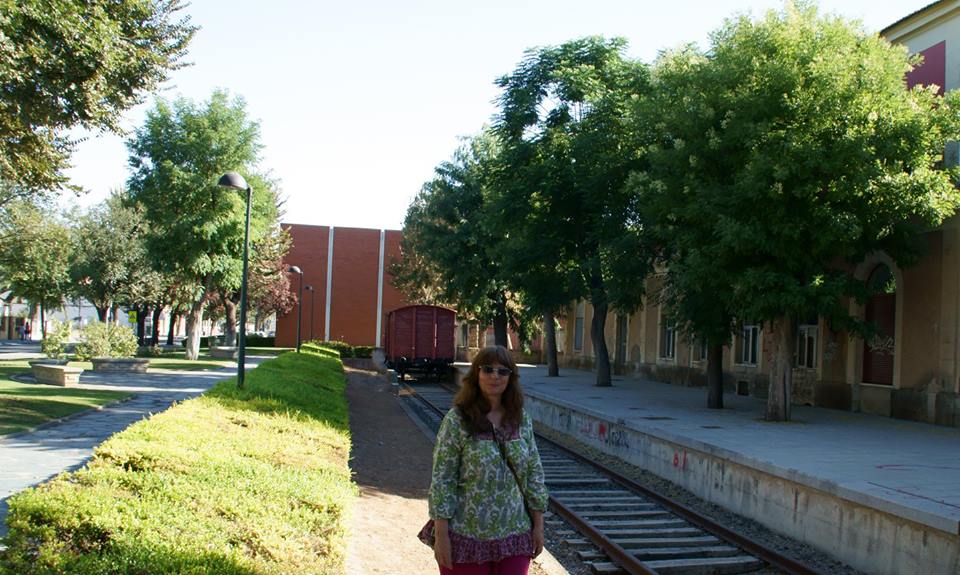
{"type": "Point", "coordinates": [881, 311]}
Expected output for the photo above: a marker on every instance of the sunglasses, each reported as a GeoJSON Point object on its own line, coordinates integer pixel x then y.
{"type": "Point", "coordinates": [501, 371]}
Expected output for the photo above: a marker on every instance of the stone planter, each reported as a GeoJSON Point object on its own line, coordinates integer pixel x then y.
{"type": "Point", "coordinates": [48, 361]}
{"type": "Point", "coordinates": [120, 364]}
{"type": "Point", "coordinates": [55, 374]}
{"type": "Point", "coordinates": [223, 352]}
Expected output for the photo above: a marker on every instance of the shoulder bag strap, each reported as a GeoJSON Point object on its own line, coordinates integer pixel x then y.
{"type": "Point", "coordinates": [516, 477]}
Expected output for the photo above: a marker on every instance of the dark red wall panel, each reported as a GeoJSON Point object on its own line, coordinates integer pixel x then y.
{"type": "Point", "coordinates": [933, 70]}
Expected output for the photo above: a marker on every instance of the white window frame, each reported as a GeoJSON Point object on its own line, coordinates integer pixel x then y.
{"type": "Point", "coordinates": [578, 325]}
{"type": "Point", "coordinates": [808, 342]}
{"type": "Point", "coordinates": [667, 341]}
{"type": "Point", "coordinates": [746, 349]}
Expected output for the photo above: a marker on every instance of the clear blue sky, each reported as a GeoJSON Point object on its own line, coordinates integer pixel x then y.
{"type": "Point", "coordinates": [359, 101]}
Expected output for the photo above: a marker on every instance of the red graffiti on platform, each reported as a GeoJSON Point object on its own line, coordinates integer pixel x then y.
{"type": "Point", "coordinates": [678, 461]}
{"type": "Point", "coordinates": [602, 431]}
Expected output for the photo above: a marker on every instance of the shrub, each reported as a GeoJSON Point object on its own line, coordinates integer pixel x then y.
{"type": "Point", "coordinates": [345, 349]}
{"type": "Point", "coordinates": [149, 351]}
{"type": "Point", "coordinates": [54, 343]}
{"type": "Point", "coordinates": [365, 351]}
{"type": "Point", "coordinates": [252, 341]}
{"type": "Point", "coordinates": [100, 339]}
{"type": "Point", "coordinates": [261, 341]}
{"type": "Point", "coordinates": [318, 348]}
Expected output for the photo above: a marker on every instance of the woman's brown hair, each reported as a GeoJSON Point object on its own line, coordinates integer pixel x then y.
{"type": "Point", "coordinates": [474, 406]}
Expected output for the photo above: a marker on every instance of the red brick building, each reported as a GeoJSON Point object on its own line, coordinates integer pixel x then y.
{"type": "Point", "coordinates": [348, 269]}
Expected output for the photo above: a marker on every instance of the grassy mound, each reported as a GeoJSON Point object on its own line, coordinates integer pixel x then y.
{"type": "Point", "coordinates": [245, 482]}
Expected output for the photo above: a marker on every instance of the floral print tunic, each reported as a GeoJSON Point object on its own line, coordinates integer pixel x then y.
{"type": "Point", "coordinates": [474, 489]}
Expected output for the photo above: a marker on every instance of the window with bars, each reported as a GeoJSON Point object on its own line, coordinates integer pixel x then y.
{"type": "Point", "coordinates": [747, 348]}
{"type": "Point", "coordinates": [807, 345]}
{"type": "Point", "coordinates": [578, 327]}
{"type": "Point", "coordinates": [700, 349]}
{"type": "Point", "coordinates": [668, 341]}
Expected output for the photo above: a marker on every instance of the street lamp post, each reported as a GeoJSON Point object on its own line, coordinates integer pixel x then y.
{"type": "Point", "coordinates": [235, 181]}
{"type": "Point", "coordinates": [299, 272]}
{"type": "Point", "coordinates": [312, 291]}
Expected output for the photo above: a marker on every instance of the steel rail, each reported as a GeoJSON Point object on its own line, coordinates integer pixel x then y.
{"type": "Point", "coordinates": [622, 557]}
{"type": "Point", "coordinates": [775, 559]}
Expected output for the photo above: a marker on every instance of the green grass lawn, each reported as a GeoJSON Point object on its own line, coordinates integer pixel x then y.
{"type": "Point", "coordinates": [240, 482]}
{"type": "Point", "coordinates": [27, 405]}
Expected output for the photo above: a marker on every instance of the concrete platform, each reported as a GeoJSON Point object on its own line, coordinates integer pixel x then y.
{"type": "Point", "coordinates": [881, 494]}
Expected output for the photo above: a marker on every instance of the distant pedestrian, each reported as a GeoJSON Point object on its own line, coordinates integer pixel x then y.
{"type": "Point", "coordinates": [27, 330]}
{"type": "Point", "coordinates": [487, 494]}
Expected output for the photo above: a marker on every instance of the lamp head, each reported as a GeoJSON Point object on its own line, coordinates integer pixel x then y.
{"type": "Point", "coordinates": [294, 270]}
{"type": "Point", "coordinates": [308, 288]}
{"type": "Point", "coordinates": [233, 180]}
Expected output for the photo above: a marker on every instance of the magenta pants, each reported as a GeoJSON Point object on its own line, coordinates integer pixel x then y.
{"type": "Point", "coordinates": [517, 565]}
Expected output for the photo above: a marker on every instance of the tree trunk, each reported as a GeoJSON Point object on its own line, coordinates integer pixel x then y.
{"type": "Point", "coordinates": [598, 298]}
{"type": "Point", "coordinates": [194, 326]}
{"type": "Point", "coordinates": [230, 327]}
{"type": "Point", "coordinates": [102, 313]}
{"type": "Point", "coordinates": [155, 332]}
{"type": "Point", "coordinates": [141, 322]}
{"type": "Point", "coordinates": [714, 376]}
{"type": "Point", "coordinates": [781, 372]}
{"type": "Point", "coordinates": [172, 330]}
{"type": "Point", "coordinates": [500, 321]}
{"type": "Point", "coordinates": [116, 314]}
{"type": "Point", "coordinates": [43, 322]}
{"type": "Point", "coordinates": [550, 335]}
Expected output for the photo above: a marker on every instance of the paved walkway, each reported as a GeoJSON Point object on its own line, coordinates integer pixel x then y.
{"type": "Point", "coordinates": [32, 457]}
{"type": "Point", "coordinates": [907, 468]}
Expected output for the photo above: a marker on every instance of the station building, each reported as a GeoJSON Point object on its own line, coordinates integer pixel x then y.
{"type": "Point", "coordinates": [911, 372]}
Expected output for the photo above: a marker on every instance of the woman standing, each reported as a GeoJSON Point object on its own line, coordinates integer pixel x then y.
{"type": "Point", "coordinates": [487, 494]}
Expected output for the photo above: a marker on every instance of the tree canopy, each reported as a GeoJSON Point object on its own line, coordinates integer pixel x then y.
{"type": "Point", "coordinates": [66, 64]}
{"type": "Point", "coordinates": [109, 257]}
{"type": "Point", "coordinates": [196, 228]}
{"type": "Point", "coordinates": [784, 155]}
{"type": "Point", "coordinates": [564, 121]}
{"type": "Point", "coordinates": [34, 255]}
{"type": "Point", "coordinates": [449, 249]}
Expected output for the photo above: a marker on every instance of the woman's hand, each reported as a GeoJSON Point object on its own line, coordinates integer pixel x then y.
{"type": "Point", "coordinates": [537, 540]}
{"type": "Point", "coordinates": [441, 544]}
{"type": "Point", "coordinates": [537, 532]}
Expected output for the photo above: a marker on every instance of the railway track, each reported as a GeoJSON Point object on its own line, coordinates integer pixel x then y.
{"type": "Point", "coordinates": [621, 526]}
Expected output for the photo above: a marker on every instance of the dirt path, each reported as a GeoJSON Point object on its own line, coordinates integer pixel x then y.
{"type": "Point", "coordinates": [391, 461]}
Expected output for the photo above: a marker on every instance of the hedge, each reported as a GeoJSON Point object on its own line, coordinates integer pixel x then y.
{"type": "Point", "coordinates": [252, 481]}
{"type": "Point", "coordinates": [251, 341]}
{"type": "Point", "coordinates": [345, 349]}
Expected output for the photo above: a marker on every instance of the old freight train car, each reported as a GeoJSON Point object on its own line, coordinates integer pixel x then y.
{"type": "Point", "coordinates": [420, 339]}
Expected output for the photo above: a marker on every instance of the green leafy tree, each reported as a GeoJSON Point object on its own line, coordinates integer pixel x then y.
{"type": "Point", "coordinates": [785, 155]}
{"type": "Point", "coordinates": [109, 262]}
{"type": "Point", "coordinates": [269, 281]}
{"type": "Point", "coordinates": [66, 64]}
{"type": "Point", "coordinates": [227, 294]}
{"type": "Point", "coordinates": [35, 256]}
{"type": "Point", "coordinates": [449, 245]}
{"type": "Point", "coordinates": [563, 116]}
{"type": "Point", "coordinates": [196, 228]}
